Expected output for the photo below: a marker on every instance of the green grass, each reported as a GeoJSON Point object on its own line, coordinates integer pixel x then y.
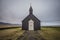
{"type": "Point", "coordinates": [10, 34]}
{"type": "Point", "coordinates": [51, 33]}
{"type": "Point", "coordinates": [48, 33]}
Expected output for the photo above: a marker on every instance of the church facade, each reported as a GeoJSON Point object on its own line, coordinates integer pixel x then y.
{"type": "Point", "coordinates": [31, 22]}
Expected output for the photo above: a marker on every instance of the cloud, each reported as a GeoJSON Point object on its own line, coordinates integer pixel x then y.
{"type": "Point", "coordinates": [14, 11]}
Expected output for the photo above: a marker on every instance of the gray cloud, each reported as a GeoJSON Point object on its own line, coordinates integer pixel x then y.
{"type": "Point", "coordinates": [14, 11]}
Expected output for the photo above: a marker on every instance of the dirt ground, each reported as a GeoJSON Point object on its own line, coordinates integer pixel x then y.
{"type": "Point", "coordinates": [31, 35]}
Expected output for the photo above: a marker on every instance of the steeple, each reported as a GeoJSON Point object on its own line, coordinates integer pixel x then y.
{"type": "Point", "coordinates": [30, 10]}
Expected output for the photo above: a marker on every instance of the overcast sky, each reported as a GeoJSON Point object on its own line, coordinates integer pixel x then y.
{"type": "Point", "coordinates": [14, 11]}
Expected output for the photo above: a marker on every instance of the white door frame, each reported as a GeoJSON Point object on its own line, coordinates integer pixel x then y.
{"type": "Point", "coordinates": [30, 25]}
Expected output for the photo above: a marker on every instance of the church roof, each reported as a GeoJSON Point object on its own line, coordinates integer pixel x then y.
{"type": "Point", "coordinates": [31, 16]}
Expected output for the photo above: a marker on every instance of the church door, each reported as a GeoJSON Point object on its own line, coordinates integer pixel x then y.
{"type": "Point", "coordinates": [30, 25]}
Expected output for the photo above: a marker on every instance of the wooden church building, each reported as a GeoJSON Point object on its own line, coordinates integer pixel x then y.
{"type": "Point", "coordinates": [31, 22]}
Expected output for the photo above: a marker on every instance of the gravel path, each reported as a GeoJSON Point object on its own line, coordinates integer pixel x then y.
{"type": "Point", "coordinates": [31, 35]}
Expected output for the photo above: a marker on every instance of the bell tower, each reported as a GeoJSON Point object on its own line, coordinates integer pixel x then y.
{"type": "Point", "coordinates": [30, 10]}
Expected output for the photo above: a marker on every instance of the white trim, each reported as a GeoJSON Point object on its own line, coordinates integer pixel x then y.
{"type": "Point", "coordinates": [30, 25]}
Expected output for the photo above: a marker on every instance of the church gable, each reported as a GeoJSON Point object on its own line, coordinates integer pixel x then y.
{"type": "Point", "coordinates": [31, 17]}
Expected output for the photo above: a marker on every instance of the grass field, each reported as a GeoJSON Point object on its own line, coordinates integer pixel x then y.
{"type": "Point", "coordinates": [48, 33]}
{"type": "Point", "coordinates": [51, 33]}
{"type": "Point", "coordinates": [10, 34]}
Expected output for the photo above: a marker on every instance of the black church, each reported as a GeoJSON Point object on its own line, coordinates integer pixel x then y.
{"type": "Point", "coordinates": [31, 22]}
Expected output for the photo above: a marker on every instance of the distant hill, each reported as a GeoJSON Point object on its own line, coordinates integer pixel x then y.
{"type": "Point", "coordinates": [4, 23]}
{"type": "Point", "coordinates": [8, 23]}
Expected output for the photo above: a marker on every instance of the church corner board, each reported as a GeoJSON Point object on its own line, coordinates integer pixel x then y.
{"type": "Point", "coordinates": [31, 22]}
